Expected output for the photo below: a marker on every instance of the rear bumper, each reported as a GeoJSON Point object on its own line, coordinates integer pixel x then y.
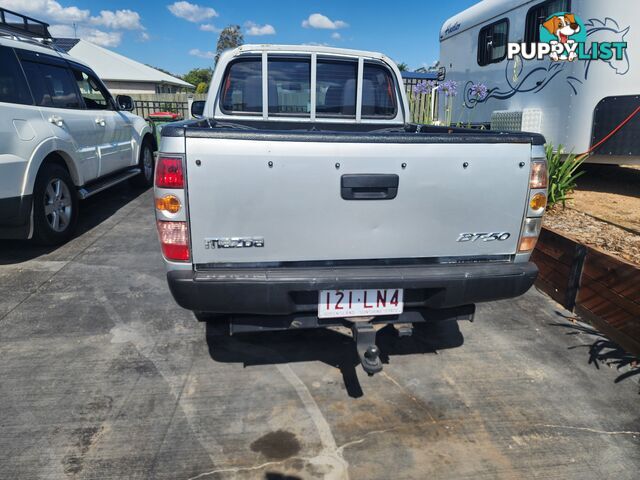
{"type": "Point", "coordinates": [288, 290]}
{"type": "Point", "coordinates": [15, 221]}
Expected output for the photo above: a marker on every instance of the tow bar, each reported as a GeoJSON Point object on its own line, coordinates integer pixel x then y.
{"type": "Point", "coordinates": [364, 334]}
{"type": "Point", "coordinates": [363, 329]}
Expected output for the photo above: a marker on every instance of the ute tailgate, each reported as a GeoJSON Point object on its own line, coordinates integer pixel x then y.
{"type": "Point", "coordinates": [293, 196]}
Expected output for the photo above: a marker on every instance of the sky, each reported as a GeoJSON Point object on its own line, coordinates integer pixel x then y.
{"type": "Point", "coordinates": [180, 35]}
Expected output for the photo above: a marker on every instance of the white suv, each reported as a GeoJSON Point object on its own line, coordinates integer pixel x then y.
{"type": "Point", "coordinates": [63, 138]}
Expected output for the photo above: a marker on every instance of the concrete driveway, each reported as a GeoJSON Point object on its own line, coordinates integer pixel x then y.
{"type": "Point", "coordinates": [103, 376]}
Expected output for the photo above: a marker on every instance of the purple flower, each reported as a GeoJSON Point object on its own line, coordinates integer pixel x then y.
{"type": "Point", "coordinates": [450, 88]}
{"type": "Point", "coordinates": [424, 87]}
{"type": "Point", "coordinates": [479, 91]}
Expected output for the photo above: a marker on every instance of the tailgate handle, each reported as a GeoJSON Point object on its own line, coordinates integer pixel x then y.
{"type": "Point", "coordinates": [372, 186]}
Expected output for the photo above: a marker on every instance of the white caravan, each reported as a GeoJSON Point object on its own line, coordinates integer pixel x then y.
{"type": "Point", "coordinates": [577, 103]}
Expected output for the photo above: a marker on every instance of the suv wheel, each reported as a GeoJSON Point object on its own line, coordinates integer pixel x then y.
{"type": "Point", "coordinates": [145, 163]}
{"type": "Point", "coordinates": [55, 206]}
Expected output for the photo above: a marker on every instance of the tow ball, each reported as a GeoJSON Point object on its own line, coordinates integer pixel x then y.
{"type": "Point", "coordinates": [364, 334]}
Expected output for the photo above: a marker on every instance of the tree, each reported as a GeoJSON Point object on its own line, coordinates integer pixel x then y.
{"type": "Point", "coordinates": [197, 76]}
{"type": "Point", "coordinates": [230, 37]}
{"type": "Point", "coordinates": [202, 87]}
{"type": "Point", "coordinates": [403, 67]}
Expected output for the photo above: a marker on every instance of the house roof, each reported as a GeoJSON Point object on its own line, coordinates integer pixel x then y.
{"type": "Point", "coordinates": [113, 66]}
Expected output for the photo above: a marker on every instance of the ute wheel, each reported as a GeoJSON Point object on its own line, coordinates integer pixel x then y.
{"type": "Point", "coordinates": [217, 324]}
{"type": "Point", "coordinates": [146, 165]}
{"type": "Point", "coordinates": [55, 206]}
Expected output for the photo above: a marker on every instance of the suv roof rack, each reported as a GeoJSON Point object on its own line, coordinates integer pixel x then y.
{"type": "Point", "coordinates": [19, 24]}
{"type": "Point", "coordinates": [25, 29]}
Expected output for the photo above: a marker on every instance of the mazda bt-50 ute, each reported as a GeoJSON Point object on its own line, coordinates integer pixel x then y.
{"type": "Point", "coordinates": [303, 197]}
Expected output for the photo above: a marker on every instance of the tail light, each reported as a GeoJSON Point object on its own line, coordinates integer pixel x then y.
{"type": "Point", "coordinates": [538, 180]}
{"type": "Point", "coordinates": [174, 239]}
{"type": "Point", "coordinates": [529, 236]}
{"type": "Point", "coordinates": [539, 177]}
{"type": "Point", "coordinates": [169, 172]}
{"type": "Point", "coordinates": [169, 204]}
{"type": "Point", "coordinates": [538, 203]}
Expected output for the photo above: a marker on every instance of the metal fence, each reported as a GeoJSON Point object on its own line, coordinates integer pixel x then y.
{"type": "Point", "coordinates": [165, 102]}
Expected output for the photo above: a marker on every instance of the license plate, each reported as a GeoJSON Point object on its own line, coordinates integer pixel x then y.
{"type": "Point", "coordinates": [360, 303]}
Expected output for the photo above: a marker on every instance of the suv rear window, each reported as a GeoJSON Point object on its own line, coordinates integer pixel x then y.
{"type": "Point", "coordinates": [13, 85]}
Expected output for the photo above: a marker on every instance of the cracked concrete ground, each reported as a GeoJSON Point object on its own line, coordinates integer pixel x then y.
{"type": "Point", "coordinates": [103, 376]}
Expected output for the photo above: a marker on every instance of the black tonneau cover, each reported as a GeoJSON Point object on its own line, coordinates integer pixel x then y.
{"type": "Point", "coordinates": [342, 133]}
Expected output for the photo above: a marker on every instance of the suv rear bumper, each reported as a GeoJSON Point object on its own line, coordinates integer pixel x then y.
{"type": "Point", "coordinates": [287, 290]}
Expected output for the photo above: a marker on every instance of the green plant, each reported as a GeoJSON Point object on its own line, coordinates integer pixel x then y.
{"type": "Point", "coordinates": [202, 87]}
{"type": "Point", "coordinates": [563, 173]}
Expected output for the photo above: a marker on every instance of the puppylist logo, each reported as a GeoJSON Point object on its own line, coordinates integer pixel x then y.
{"type": "Point", "coordinates": [563, 37]}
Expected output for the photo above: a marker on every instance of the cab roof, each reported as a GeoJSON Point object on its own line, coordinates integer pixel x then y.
{"type": "Point", "coordinates": [318, 49]}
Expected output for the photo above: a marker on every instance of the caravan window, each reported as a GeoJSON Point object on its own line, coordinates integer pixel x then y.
{"type": "Point", "coordinates": [492, 42]}
{"type": "Point", "coordinates": [539, 13]}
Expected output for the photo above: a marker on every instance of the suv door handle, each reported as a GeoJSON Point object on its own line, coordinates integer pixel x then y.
{"type": "Point", "coordinates": [369, 187]}
{"type": "Point", "coordinates": [56, 120]}
{"type": "Point", "coordinates": [100, 122]}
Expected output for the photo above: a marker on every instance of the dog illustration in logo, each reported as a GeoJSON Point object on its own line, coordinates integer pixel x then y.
{"type": "Point", "coordinates": [562, 27]}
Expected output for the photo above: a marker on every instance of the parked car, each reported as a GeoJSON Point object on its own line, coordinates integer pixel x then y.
{"type": "Point", "coordinates": [303, 198]}
{"type": "Point", "coordinates": [63, 137]}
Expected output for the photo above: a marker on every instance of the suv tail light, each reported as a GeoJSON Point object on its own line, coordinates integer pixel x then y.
{"type": "Point", "coordinates": [169, 172]}
{"type": "Point", "coordinates": [174, 239]}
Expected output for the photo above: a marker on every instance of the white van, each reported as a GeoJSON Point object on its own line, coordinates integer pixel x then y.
{"type": "Point", "coordinates": [63, 137]}
{"type": "Point", "coordinates": [581, 104]}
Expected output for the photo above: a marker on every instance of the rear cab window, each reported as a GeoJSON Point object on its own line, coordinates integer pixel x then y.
{"type": "Point", "coordinates": [242, 87]}
{"type": "Point", "coordinates": [336, 88]}
{"type": "Point", "coordinates": [289, 87]}
{"type": "Point", "coordinates": [378, 92]}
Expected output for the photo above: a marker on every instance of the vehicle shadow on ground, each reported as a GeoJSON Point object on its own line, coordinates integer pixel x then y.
{"type": "Point", "coordinates": [329, 346]}
{"type": "Point", "coordinates": [604, 351]}
{"type": "Point", "coordinates": [610, 179]}
{"type": "Point", "coordinates": [92, 212]}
